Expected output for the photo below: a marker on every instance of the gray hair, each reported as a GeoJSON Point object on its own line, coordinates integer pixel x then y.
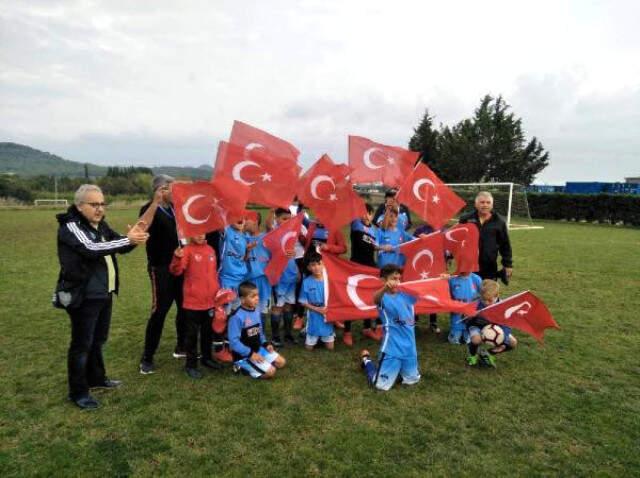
{"type": "Point", "coordinates": [82, 192]}
{"type": "Point", "coordinates": [160, 180]}
{"type": "Point", "coordinates": [484, 194]}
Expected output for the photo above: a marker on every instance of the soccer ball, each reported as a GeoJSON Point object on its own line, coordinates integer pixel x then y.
{"type": "Point", "coordinates": [492, 335]}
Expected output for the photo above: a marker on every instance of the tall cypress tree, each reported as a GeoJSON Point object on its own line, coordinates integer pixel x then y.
{"type": "Point", "coordinates": [425, 141]}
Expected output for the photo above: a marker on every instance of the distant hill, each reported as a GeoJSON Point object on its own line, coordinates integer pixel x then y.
{"type": "Point", "coordinates": [25, 161]}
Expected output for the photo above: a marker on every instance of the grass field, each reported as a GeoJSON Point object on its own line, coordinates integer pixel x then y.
{"type": "Point", "coordinates": [570, 408]}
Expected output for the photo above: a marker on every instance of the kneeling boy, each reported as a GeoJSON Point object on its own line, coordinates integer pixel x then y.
{"type": "Point", "coordinates": [398, 354]}
{"type": "Point", "coordinates": [252, 354]}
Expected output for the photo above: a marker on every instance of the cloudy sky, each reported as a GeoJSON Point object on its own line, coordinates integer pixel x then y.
{"type": "Point", "coordinates": [160, 82]}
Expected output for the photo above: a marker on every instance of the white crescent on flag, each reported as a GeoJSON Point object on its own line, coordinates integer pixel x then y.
{"type": "Point", "coordinates": [519, 309]}
{"type": "Point", "coordinates": [187, 215]}
{"type": "Point", "coordinates": [285, 238]}
{"type": "Point", "coordinates": [352, 291]}
{"type": "Point", "coordinates": [237, 170]}
{"type": "Point", "coordinates": [431, 298]}
{"type": "Point", "coordinates": [449, 234]}
{"type": "Point", "coordinates": [316, 182]}
{"type": "Point", "coordinates": [423, 252]}
{"type": "Point", "coordinates": [366, 158]}
{"type": "Point", "coordinates": [250, 147]}
{"type": "Point", "coordinates": [418, 184]}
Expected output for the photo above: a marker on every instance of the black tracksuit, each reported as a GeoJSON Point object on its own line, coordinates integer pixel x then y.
{"type": "Point", "coordinates": [165, 287]}
{"type": "Point", "coordinates": [82, 250]}
{"type": "Point", "coordinates": [494, 239]}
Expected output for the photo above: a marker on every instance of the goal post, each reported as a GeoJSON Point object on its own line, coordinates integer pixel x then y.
{"type": "Point", "coordinates": [509, 200]}
{"type": "Point", "coordinates": [51, 202]}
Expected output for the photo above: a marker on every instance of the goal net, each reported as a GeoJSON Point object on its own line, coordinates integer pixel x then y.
{"type": "Point", "coordinates": [509, 200]}
{"type": "Point", "coordinates": [51, 202]}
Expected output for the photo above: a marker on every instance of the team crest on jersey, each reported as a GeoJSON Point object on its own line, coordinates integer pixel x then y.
{"type": "Point", "coordinates": [197, 257]}
{"type": "Point", "coordinates": [212, 257]}
{"type": "Point", "coordinates": [247, 322]}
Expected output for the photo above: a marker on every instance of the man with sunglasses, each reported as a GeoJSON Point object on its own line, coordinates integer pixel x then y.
{"type": "Point", "coordinates": [88, 279]}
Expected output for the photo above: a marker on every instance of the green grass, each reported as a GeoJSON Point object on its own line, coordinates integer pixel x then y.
{"type": "Point", "coordinates": [569, 408]}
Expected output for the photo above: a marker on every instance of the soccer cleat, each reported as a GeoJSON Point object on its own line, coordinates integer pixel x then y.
{"type": "Point", "coordinates": [276, 341]}
{"type": "Point", "coordinates": [223, 356]}
{"type": "Point", "coordinates": [486, 359]}
{"type": "Point", "coordinates": [434, 328]}
{"type": "Point", "coordinates": [193, 373]}
{"type": "Point", "coordinates": [108, 384]}
{"type": "Point", "coordinates": [339, 325]}
{"type": "Point", "coordinates": [147, 368]}
{"type": "Point", "coordinates": [290, 339]}
{"type": "Point", "coordinates": [298, 323]}
{"type": "Point", "coordinates": [472, 360]}
{"type": "Point", "coordinates": [347, 339]}
{"type": "Point", "coordinates": [179, 353]}
{"type": "Point", "coordinates": [86, 403]}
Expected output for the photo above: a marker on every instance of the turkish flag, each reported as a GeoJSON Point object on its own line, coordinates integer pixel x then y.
{"type": "Point", "coordinates": [428, 197]}
{"type": "Point", "coordinates": [424, 257]}
{"type": "Point", "coordinates": [253, 139]}
{"type": "Point", "coordinates": [433, 296]}
{"type": "Point", "coordinates": [326, 189]}
{"type": "Point", "coordinates": [523, 311]}
{"type": "Point", "coordinates": [373, 162]}
{"type": "Point", "coordinates": [279, 242]}
{"type": "Point", "coordinates": [203, 206]}
{"type": "Point", "coordinates": [349, 289]}
{"type": "Point", "coordinates": [462, 241]}
{"type": "Point", "coordinates": [272, 179]}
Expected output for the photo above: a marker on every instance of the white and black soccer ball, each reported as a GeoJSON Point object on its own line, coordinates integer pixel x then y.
{"type": "Point", "coordinates": [492, 335]}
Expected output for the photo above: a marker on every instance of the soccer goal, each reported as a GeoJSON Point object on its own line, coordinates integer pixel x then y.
{"type": "Point", "coordinates": [51, 202]}
{"type": "Point", "coordinates": [509, 200]}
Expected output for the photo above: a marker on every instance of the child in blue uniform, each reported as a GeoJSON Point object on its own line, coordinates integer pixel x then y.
{"type": "Point", "coordinates": [312, 298]}
{"type": "Point", "coordinates": [252, 354]}
{"type": "Point", "coordinates": [465, 288]}
{"type": "Point", "coordinates": [398, 354]}
{"type": "Point", "coordinates": [489, 294]}
{"type": "Point", "coordinates": [388, 237]}
{"type": "Point", "coordinates": [257, 259]}
{"type": "Point", "coordinates": [284, 293]}
{"type": "Point", "coordinates": [233, 264]}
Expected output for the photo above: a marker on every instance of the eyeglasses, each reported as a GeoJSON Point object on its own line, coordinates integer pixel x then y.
{"type": "Point", "coordinates": [96, 205]}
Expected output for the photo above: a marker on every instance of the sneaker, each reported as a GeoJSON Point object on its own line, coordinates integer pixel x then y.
{"type": "Point", "coordinates": [364, 354]}
{"type": "Point", "coordinates": [86, 403]}
{"type": "Point", "coordinates": [290, 339]}
{"type": "Point", "coordinates": [370, 334]}
{"type": "Point", "coordinates": [276, 341]}
{"type": "Point", "coordinates": [347, 339]}
{"type": "Point", "coordinates": [193, 373]}
{"type": "Point", "coordinates": [108, 384]}
{"type": "Point", "coordinates": [179, 353]}
{"type": "Point", "coordinates": [147, 368]}
{"type": "Point", "coordinates": [434, 328]}
{"type": "Point", "coordinates": [223, 356]}
{"type": "Point", "coordinates": [486, 359]}
{"type": "Point", "coordinates": [339, 324]}
{"type": "Point", "coordinates": [472, 360]}
{"type": "Point", "coordinates": [298, 323]}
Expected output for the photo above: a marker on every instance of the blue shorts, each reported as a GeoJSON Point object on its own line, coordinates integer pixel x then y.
{"type": "Point", "coordinates": [478, 331]}
{"type": "Point", "coordinates": [256, 369]}
{"type": "Point", "coordinates": [226, 283]}
{"type": "Point", "coordinates": [264, 292]}
{"type": "Point", "coordinates": [284, 293]}
{"type": "Point", "coordinates": [390, 367]}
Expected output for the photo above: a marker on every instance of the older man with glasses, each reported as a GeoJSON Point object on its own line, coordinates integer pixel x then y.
{"type": "Point", "coordinates": [88, 279]}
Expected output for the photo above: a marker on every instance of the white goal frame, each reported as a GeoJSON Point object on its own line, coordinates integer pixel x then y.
{"type": "Point", "coordinates": [51, 202]}
{"type": "Point", "coordinates": [511, 185]}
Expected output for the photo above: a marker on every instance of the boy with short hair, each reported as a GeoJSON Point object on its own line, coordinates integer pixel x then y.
{"type": "Point", "coordinates": [465, 287]}
{"type": "Point", "coordinates": [312, 298]}
{"type": "Point", "coordinates": [252, 354]}
{"type": "Point", "coordinates": [284, 293]}
{"type": "Point", "coordinates": [197, 263]}
{"type": "Point", "coordinates": [489, 294]}
{"type": "Point", "coordinates": [398, 354]}
{"type": "Point", "coordinates": [258, 257]}
{"type": "Point", "coordinates": [388, 239]}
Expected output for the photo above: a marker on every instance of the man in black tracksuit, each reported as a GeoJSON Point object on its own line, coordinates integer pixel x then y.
{"type": "Point", "coordinates": [165, 287]}
{"type": "Point", "coordinates": [494, 238]}
{"type": "Point", "coordinates": [88, 278]}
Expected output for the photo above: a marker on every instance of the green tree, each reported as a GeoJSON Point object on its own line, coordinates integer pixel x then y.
{"type": "Point", "coordinates": [425, 141]}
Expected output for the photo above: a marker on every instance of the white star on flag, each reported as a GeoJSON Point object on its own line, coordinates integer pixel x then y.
{"type": "Point", "coordinates": [391, 160]}
{"type": "Point", "coordinates": [266, 177]}
{"type": "Point", "coordinates": [435, 199]}
{"type": "Point", "coordinates": [424, 275]}
{"type": "Point", "coordinates": [333, 197]}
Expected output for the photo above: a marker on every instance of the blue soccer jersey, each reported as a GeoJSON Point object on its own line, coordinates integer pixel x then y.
{"type": "Point", "coordinates": [233, 266]}
{"type": "Point", "coordinates": [258, 258]}
{"type": "Point", "coordinates": [398, 320]}
{"type": "Point", "coordinates": [312, 292]}
{"type": "Point", "coordinates": [392, 237]}
{"type": "Point", "coordinates": [245, 332]}
{"type": "Point", "coordinates": [465, 289]}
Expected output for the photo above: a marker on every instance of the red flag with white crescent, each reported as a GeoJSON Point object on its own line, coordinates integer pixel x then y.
{"type": "Point", "coordinates": [523, 311]}
{"type": "Point", "coordinates": [203, 206]}
{"type": "Point", "coordinates": [424, 257]}
{"type": "Point", "coordinates": [326, 189]}
{"type": "Point", "coordinates": [431, 199]}
{"type": "Point", "coordinates": [281, 242]}
{"type": "Point", "coordinates": [272, 179]}
{"type": "Point", "coordinates": [373, 162]}
{"type": "Point", "coordinates": [462, 241]}
{"type": "Point", "coordinates": [252, 139]}
{"type": "Point", "coordinates": [434, 296]}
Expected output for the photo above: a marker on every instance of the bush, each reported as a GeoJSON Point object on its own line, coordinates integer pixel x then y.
{"type": "Point", "coordinates": [603, 208]}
